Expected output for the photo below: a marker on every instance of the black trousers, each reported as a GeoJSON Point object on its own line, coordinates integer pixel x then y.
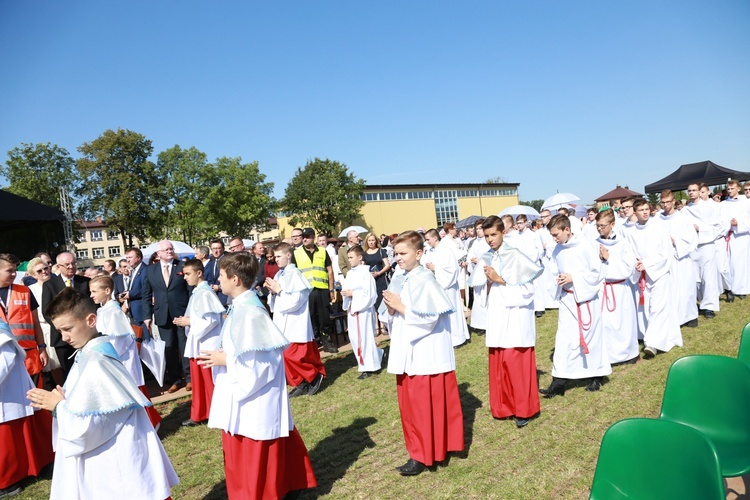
{"type": "Point", "coordinates": [178, 366]}
{"type": "Point", "coordinates": [320, 312]}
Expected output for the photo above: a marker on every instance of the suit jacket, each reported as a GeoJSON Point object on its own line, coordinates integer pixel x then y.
{"type": "Point", "coordinates": [170, 301]}
{"type": "Point", "coordinates": [260, 278]}
{"type": "Point", "coordinates": [50, 289]}
{"type": "Point", "coordinates": [211, 275]}
{"type": "Point", "coordinates": [119, 285]}
{"type": "Point", "coordinates": [136, 302]}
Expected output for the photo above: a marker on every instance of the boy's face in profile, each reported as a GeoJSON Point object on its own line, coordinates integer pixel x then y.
{"type": "Point", "coordinates": [494, 237]}
{"type": "Point", "coordinates": [560, 236]}
{"type": "Point", "coordinates": [406, 256]}
{"type": "Point", "coordinates": [100, 295]}
{"type": "Point", "coordinates": [231, 286]}
{"type": "Point", "coordinates": [7, 273]}
{"type": "Point", "coordinates": [76, 331]}
{"type": "Point", "coordinates": [192, 276]}
{"type": "Point", "coordinates": [354, 259]}
{"type": "Point", "coordinates": [282, 258]}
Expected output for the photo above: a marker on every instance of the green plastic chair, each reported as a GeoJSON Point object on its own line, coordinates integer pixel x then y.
{"type": "Point", "coordinates": [744, 351]}
{"type": "Point", "coordinates": [646, 459]}
{"type": "Point", "coordinates": [712, 395]}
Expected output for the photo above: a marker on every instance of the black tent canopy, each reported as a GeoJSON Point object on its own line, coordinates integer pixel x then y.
{"type": "Point", "coordinates": [28, 227]}
{"type": "Point", "coordinates": [704, 171]}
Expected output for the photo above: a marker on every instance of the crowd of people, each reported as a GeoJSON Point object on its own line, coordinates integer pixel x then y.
{"type": "Point", "coordinates": [242, 330]}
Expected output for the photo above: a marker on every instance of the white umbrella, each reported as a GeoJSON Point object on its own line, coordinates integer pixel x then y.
{"type": "Point", "coordinates": [180, 250]}
{"type": "Point", "coordinates": [516, 210]}
{"type": "Point", "coordinates": [558, 199]}
{"type": "Point", "coordinates": [581, 211]}
{"type": "Point", "coordinates": [248, 244]}
{"type": "Point", "coordinates": [152, 355]}
{"type": "Point", "coordinates": [359, 229]}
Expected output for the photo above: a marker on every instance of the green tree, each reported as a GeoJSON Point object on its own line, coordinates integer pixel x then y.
{"type": "Point", "coordinates": [188, 178]}
{"type": "Point", "coordinates": [38, 171]}
{"type": "Point", "coordinates": [238, 199]}
{"type": "Point", "coordinates": [535, 204]}
{"type": "Point", "coordinates": [120, 183]}
{"type": "Point", "coordinates": [323, 195]}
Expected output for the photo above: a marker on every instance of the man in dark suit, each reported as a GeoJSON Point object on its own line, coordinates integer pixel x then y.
{"type": "Point", "coordinates": [66, 262]}
{"type": "Point", "coordinates": [164, 283]}
{"type": "Point", "coordinates": [211, 271]}
{"type": "Point", "coordinates": [133, 292]}
{"type": "Point", "coordinates": [259, 252]}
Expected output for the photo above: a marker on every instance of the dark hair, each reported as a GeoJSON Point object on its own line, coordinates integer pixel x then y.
{"type": "Point", "coordinates": [639, 202]}
{"type": "Point", "coordinates": [449, 225]}
{"type": "Point", "coordinates": [479, 222]}
{"type": "Point", "coordinates": [357, 249]}
{"type": "Point", "coordinates": [111, 262]}
{"type": "Point", "coordinates": [493, 221]}
{"type": "Point", "coordinates": [194, 264]}
{"type": "Point", "coordinates": [606, 215]}
{"type": "Point", "coordinates": [559, 221]}
{"type": "Point", "coordinates": [10, 258]}
{"type": "Point", "coordinates": [433, 232]}
{"type": "Point", "coordinates": [70, 301]}
{"type": "Point", "coordinates": [136, 251]}
{"type": "Point", "coordinates": [217, 240]}
{"type": "Point", "coordinates": [241, 265]}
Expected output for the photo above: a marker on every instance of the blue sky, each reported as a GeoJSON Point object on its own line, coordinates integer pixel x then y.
{"type": "Point", "coordinates": [557, 95]}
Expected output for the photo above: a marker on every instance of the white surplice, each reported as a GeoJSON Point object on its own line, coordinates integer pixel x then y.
{"type": "Point", "coordinates": [476, 270]}
{"type": "Point", "coordinates": [112, 322]}
{"type": "Point", "coordinates": [579, 319]}
{"type": "Point", "coordinates": [14, 379]}
{"type": "Point", "coordinates": [446, 274]}
{"type": "Point", "coordinates": [706, 217]}
{"type": "Point", "coordinates": [543, 299]}
{"type": "Point", "coordinates": [250, 396]}
{"type": "Point", "coordinates": [738, 243]}
{"type": "Point", "coordinates": [618, 303]}
{"type": "Point", "coordinates": [652, 245]}
{"type": "Point", "coordinates": [291, 311]}
{"type": "Point", "coordinates": [105, 444]}
{"type": "Point", "coordinates": [206, 315]}
{"type": "Point", "coordinates": [360, 308]}
{"type": "Point", "coordinates": [684, 244]}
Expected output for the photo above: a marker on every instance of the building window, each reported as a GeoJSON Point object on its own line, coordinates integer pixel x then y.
{"type": "Point", "coordinates": [82, 254]}
{"type": "Point", "coordinates": [114, 251]}
{"type": "Point", "coordinates": [113, 234]}
{"type": "Point", "coordinates": [81, 235]}
{"type": "Point", "coordinates": [98, 252]}
{"type": "Point", "coordinates": [96, 235]}
{"type": "Point", "coordinates": [446, 206]}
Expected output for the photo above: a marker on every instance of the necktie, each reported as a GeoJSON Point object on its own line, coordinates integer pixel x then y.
{"type": "Point", "coordinates": [126, 282]}
{"type": "Point", "coordinates": [67, 282]}
{"type": "Point", "coordinates": [165, 274]}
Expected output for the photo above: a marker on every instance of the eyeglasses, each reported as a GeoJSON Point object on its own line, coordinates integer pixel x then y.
{"type": "Point", "coordinates": [42, 270]}
{"type": "Point", "coordinates": [296, 236]}
{"type": "Point", "coordinates": [236, 247]}
{"type": "Point", "coordinates": [602, 226]}
{"type": "Point", "coordinates": [626, 206]}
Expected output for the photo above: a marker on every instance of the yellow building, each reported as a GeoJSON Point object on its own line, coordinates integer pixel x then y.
{"type": "Point", "coordinates": [394, 208]}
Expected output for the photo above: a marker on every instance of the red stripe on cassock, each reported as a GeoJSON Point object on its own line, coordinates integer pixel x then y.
{"type": "Point", "coordinates": [302, 362]}
{"type": "Point", "coordinates": [153, 415]}
{"type": "Point", "coordinates": [431, 415]}
{"type": "Point", "coordinates": [25, 447]}
{"type": "Point", "coordinates": [266, 469]}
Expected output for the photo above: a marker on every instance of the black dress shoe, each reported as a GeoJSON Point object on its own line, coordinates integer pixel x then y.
{"type": "Point", "coordinates": [299, 390]}
{"type": "Point", "coordinates": [730, 296]}
{"type": "Point", "coordinates": [594, 385]}
{"type": "Point", "coordinates": [479, 332]}
{"type": "Point", "coordinates": [556, 388]}
{"type": "Point", "coordinates": [539, 314]}
{"type": "Point", "coordinates": [411, 468]}
{"type": "Point", "coordinates": [692, 323]}
{"type": "Point", "coordinates": [364, 375]}
{"type": "Point", "coordinates": [522, 422]}
{"type": "Point", "coordinates": [191, 423]}
{"type": "Point", "coordinates": [12, 490]}
{"type": "Point", "coordinates": [709, 314]}
{"type": "Point", "coordinates": [741, 297]}
{"type": "Point", "coordinates": [315, 385]}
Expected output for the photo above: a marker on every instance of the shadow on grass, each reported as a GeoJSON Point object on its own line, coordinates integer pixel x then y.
{"type": "Point", "coordinates": [469, 403]}
{"type": "Point", "coordinates": [218, 492]}
{"type": "Point", "coordinates": [171, 423]}
{"type": "Point", "coordinates": [333, 456]}
{"type": "Point", "coordinates": [335, 367]}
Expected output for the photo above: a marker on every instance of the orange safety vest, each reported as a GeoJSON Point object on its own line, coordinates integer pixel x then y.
{"type": "Point", "coordinates": [21, 323]}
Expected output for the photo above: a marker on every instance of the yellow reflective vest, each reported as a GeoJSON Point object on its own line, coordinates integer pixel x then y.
{"type": "Point", "coordinates": [315, 270]}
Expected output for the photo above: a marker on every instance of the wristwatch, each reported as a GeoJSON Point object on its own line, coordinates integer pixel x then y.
{"type": "Point", "coordinates": [41, 346]}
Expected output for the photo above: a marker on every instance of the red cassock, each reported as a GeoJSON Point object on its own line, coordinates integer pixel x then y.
{"type": "Point", "coordinates": [25, 447]}
{"type": "Point", "coordinates": [203, 391]}
{"type": "Point", "coordinates": [431, 415]}
{"type": "Point", "coordinates": [153, 415]}
{"type": "Point", "coordinates": [514, 389]}
{"type": "Point", "coordinates": [266, 469]}
{"type": "Point", "coordinates": [302, 363]}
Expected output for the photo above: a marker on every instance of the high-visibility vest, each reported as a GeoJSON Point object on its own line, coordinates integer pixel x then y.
{"type": "Point", "coordinates": [315, 270]}
{"type": "Point", "coordinates": [21, 323]}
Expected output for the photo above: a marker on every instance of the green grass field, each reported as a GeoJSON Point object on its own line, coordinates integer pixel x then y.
{"type": "Point", "coordinates": [353, 431]}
